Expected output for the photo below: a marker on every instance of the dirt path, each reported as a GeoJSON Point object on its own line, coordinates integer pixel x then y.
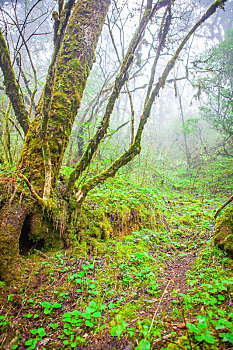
{"type": "Point", "coordinates": [173, 278]}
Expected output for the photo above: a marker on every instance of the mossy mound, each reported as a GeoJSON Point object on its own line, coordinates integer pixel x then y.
{"type": "Point", "coordinates": [116, 209]}
{"type": "Point", "coordinates": [223, 235]}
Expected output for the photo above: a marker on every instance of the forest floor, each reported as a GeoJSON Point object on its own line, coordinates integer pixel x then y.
{"type": "Point", "coordinates": [168, 288]}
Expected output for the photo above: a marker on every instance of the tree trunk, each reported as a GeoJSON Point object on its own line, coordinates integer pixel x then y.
{"type": "Point", "coordinates": [12, 218]}
{"type": "Point", "coordinates": [50, 129]}
{"type": "Point", "coordinates": [223, 232]}
{"type": "Point", "coordinates": [73, 67]}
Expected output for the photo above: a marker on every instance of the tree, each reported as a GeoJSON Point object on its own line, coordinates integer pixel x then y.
{"type": "Point", "coordinates": [32, 197]}
{"type": "Point", "coordinates": [216, 83]}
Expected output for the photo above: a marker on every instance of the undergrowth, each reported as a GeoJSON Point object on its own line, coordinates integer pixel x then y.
{"type": "Point", "coordinates": [163, 288]}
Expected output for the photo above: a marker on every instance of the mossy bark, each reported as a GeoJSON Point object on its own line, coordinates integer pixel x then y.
{"type": "Point", "coordinates": [13, 216]}
{"type": "Point", "coordinates": [53, 121]}
{"type": "Point", "coordinates": [12, 88]}
{"type": "Point", "coordinates": [73, 66]}
{"type": "Point", "coordinates": [223, 233]}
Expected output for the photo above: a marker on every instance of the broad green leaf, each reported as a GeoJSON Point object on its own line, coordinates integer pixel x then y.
{"type": "Point", "coordinates": [45, 304]}
{"type": "Point", "coordinates": [144, 344]}
{"type": "Point", "coordinates": [56, 305]}
{"type": "Point", "coordinates": [89, 323]}
{"type": "Point", "coordinates": [41, 332]}
{"type": "Point", "coordinates": [193, 328]}
{"type": "Point", "coordinates": [208, 338]}
{"type": "Point", "coordinates": [78, 280]}
{"type": "Point", "coordinates": [228, 337]}
{"type": "Point", "coordinates": [47, 311]}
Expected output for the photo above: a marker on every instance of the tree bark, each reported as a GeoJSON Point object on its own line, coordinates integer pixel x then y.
{"type": "Point", "coordinates": [73, 66]}
{"type": "Point", "coordinates": [12, 88]}
{"type": "Point", "coordinates": [50, 129]}
{"type": "Point", "coordinates": [13, 216]}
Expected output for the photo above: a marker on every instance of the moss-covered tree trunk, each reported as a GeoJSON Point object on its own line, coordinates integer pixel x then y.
{"type": "Point", "coordinates": [46, 141]}
{"type": "Point", "coordinates": [223, 233]}
{"type": "Point", "coordinates": [73, 66]}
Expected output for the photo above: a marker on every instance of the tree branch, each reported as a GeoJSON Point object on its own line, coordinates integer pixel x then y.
{"type": "Point", "coordinates": [12, 88]}
{"type": "Point", "coordinates": [135, 148]}
{"type": "Point", "coordinates": [117, 129]}
{"type": "Point", "coordinates": [223, 206]}
{"type": "Point", "coordinates": [119, 83]}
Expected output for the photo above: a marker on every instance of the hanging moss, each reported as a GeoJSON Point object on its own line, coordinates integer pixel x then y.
{"type": "Point", "coordinates": [223, 235]}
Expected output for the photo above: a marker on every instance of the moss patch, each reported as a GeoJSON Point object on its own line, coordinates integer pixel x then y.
{"type": "Point", "coordinates": [223, 236]}
{"type": "Point", "coordinates": [116, 209]}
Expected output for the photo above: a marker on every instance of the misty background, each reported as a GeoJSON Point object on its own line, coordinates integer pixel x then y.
{"type": "Point", "coordinates": [182, 139]}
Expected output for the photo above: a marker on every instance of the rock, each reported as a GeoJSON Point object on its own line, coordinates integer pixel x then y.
{"type": "Point", "coordinates": [223, 233]}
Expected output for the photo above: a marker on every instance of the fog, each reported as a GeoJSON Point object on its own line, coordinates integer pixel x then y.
{"type": "Point", "coordinates": [28, 28]}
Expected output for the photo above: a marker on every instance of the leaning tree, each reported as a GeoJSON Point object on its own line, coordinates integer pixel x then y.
{"type": "Point", "coordinates": [31, 198]}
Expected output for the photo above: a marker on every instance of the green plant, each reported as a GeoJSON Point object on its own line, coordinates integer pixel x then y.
{"type": "Point", "coordinates": [48, 307]}
{"type": "Point", "coordinates": [4, 321]}
{"type": "Point", "coordinates": [118, 326]}
{"type": "Point", "coordinates": [32, 342]}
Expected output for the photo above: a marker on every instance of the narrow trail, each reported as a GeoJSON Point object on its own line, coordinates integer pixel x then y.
{"type": "Point", "coordinates": [176, 270]}
{"type": "Point", "coordinates": [172, 278]}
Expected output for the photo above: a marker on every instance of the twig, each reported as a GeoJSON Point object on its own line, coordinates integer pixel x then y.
{"type": "Point", "coordinates": [41, 254]}
{"type": "Point", "coordinates": [179, 325]}
{"type": "Point", "coordinates": [157, 309]}
{"type": "Point", "coordinates": [13, 194]}
{"type": "Point", "coordinates": [163, 338]}
{"type": "Point", "coordinates": [16, 127]}
{"type": "Point", "coordinates": [223, 206]}
{"type": "Point", "coordinates": [119, 127]}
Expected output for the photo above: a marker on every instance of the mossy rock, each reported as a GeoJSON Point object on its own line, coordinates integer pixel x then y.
{"type": "Point", "coordinates": [223, 235]}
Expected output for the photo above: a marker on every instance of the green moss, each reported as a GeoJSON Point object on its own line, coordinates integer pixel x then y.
{"type": "Point", "coordinates": [14, 215]}
{"type": "Point", "coordinates": [116, 209]}
{"type": "Point", "coordinates": [12, 88]}
{"type": "Point", "coordinates": [42, 229]}
{"type": "Point", "coordinates": [130, 311]}
{"type": "Point", "coordinates": [75, 64]}
{"type": "Point", "coordinates": [223, 235]}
